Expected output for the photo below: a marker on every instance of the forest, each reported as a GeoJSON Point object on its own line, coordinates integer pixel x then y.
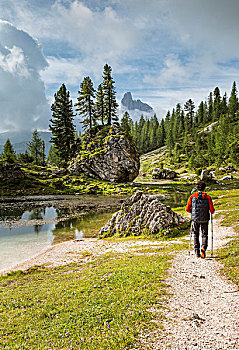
{"type": "Point", "coordinates": [201, 136]}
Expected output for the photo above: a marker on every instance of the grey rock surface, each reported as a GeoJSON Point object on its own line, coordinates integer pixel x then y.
{"type": "Point", "coordinates": [128, 102]}
{"type": "Point", "coordinates": [111, 158]}
{"type": "Point", "coordinates": [164, 173]}
{"type": "Point", "coordinates": [205, 175]}
{"type": "Point", "coordinates": [10, 171]}
{"type": "Point", "coordinates": [143, 214]}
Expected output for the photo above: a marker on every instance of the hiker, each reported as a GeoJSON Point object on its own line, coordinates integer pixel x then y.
{"type": "Point", "coordinates": [199, 204]}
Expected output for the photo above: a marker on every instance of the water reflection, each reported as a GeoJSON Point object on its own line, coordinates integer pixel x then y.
{"type": "Point", "coordinates": [25, 238]}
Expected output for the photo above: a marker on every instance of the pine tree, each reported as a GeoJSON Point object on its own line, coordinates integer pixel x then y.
{"type": "Point", "coordinates": [125, 123]}
{"type": "Point", "coordinates": [36, 149]}
{"type": "Point", "coordinates": [216, 104]}
{"type": "Point", "coordinates": [99, 105]}
{"type": "Point", "coordinates": [85, 103]}
{"type": "Point", "coordinates": [233, 104]}
{"type": "Point", "coordinates": [189, 108]}
{"type": "Point", "coordinates": [9, 154]}
{"type": "Point", "coordinates": [62, 127]}
{"type": "Point", "coordinates": [210, 107]}
{"type": "Point", "coordinates": [224, 107]}
{"type": "Point", "coordinates": [53, 157]}
{"type": "Point", "coordinates": [110, 104]}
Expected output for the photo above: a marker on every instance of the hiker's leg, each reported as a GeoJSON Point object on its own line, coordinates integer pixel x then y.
{"type": "Point", "coordinates": [195, 230]}
{"type": "Point", "coordinates": [204, 229]}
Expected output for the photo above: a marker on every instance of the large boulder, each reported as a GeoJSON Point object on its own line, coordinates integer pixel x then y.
{"type": "Point", "coordinates": [144, 214]}
{"type": "Point", "coordinates": [10, 172]}
{"type": "Point", "coordinates": [163, 173]}
{"type": "Point", "coordinates": [108, 154]}
{"type": "Point", "coordinates": [206, 175]}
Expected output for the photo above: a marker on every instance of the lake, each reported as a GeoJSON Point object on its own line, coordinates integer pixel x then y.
{"type": "Point", "coordinates": [31, 225]}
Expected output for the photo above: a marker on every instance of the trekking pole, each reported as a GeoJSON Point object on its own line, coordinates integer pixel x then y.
{"type": "Point", "coordinates": [212, 236]}
{"type": "Point", "coordinates": [189, 248]}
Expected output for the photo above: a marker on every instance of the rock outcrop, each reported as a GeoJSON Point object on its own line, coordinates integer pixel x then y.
{"type": "Point", "coordinates": [10, 172]}
{"type": "Point", "coordinates": [164, 173]}
{"type": "Point", "coordinates": [144, 214]}
{"type": "Point", "coordinates": [128, 102]}
{"type": "Point", "coordinates": [107, 155]}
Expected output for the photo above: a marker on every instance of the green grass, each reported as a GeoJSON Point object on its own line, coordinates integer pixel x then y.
{"type": "Point", "coordinates": [102, 305]}
{"type": "Point", "coordinates": [228, 204]}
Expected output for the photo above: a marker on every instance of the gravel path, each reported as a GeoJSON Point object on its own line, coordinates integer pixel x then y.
{"type": "Point", "coordinates": [203, 311]}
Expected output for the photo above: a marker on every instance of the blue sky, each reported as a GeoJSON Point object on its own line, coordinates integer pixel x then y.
{"type": "Point", "coordinates": [164, 51]}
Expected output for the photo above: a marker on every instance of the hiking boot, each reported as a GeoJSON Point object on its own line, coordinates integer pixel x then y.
{"type": "Point", "coordinates": [203, 253]}
{"type": "Point", "coordinates": [197, 254]}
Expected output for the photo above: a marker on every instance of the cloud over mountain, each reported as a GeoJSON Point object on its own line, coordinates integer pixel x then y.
{"type": "Point", "coordinates": [22, 92]}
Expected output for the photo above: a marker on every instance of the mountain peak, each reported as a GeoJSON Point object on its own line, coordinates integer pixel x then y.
{"type": "Point", "coordinates": [128, 102]}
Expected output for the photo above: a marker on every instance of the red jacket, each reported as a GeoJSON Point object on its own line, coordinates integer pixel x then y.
{"type": "Point", "coordinates": [195, 194]}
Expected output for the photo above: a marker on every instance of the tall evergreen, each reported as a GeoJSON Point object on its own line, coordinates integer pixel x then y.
{"type": "Point", "coordinates": [99, 105]}
{"type": "Point", "coordinates": [110, 104]}
{"type": "Point", "coordinates": [233, 104]}
{"type": "Point", "coordinates": [210, 107]}
{"type": "Point", "coordinates": [36, 148]}
{"type": "Point", "coordinates": [216, 104]}
{"type": "Point", "coordinates": [85, 103]}
{"type": "Point", "coordinates": [125, 123]}
{"type": "Point", "coordinates": [9, 154]}
{"type": "Point", "coordinates": [189, 109]}
{"type": "Point", "coordinates": [62, 127]}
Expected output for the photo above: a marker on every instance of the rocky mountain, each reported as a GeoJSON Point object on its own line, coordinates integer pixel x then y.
{"type": "Point", "coordinates": [106, 154]}
{"type": "Point", "coordinates": [132, 105]}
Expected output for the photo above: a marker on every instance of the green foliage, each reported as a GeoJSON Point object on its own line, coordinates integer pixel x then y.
{"type": "Point", "coordinates": [99, 105]}
{"type": "Point", "coordinates": [9, 154]}
{"type": "Point", "coordinates": [62, 127]}
{"type": "Point", "coordinates": [110, 104]}
{"type": "Point", "coordinates": [125, 123]}
{"type": "Point", "coordinates": [85, 103]}
{"type": "Point", "coordinates": [233, 104]}
{"type": "Point", "coordinates": [53, 157]}
{"type": "Point", "coordinates": [36, 148]}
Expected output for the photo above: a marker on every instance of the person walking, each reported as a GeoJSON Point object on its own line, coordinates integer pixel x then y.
{"type": "Point", "coordinates": [200, 205]}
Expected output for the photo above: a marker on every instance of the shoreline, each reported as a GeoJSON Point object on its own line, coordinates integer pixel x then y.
{"type": "Point", "coordinates": [50, 257]}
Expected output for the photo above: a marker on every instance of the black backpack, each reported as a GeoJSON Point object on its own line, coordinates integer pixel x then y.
{"type": "Point", "coordinates": [200, 209]}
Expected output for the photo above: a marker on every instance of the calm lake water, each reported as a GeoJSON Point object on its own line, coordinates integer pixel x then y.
{"type": "Point", "coordinates": [25, 233]}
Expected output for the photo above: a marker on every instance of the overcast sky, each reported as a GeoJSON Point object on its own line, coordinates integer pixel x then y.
{"type": "Point", "coordinates": [163, 51]}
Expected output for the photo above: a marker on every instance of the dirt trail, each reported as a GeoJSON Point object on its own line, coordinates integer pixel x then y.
{"type": "Point", "coordinates": [202, 312]}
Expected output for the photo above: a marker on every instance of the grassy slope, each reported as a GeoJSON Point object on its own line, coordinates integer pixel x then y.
{"type": "Point", "coordinates": [228, 204]}
{"type": "Point", "coordinates": [102, 305]}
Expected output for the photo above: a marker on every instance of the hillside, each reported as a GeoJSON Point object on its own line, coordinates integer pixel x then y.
{"type": "Point", "coordinates": [181, 161]}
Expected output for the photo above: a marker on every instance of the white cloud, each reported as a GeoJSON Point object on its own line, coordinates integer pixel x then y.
{"type": "Point", "coordinates": [22, 92]}
{"type": "Point", "coordinates": [14, 61]}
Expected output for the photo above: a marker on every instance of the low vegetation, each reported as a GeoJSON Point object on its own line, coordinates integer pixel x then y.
{"type": "Point", "coordinates": [102, 305]}
{"type": "Point", "coordinates": [227, 205]}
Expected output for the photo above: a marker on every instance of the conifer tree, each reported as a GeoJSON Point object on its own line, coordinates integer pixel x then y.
{"type": "Point", "coordinates": [189, 108]}
{"type": "Point", "coordinates": [210, 107]}
{"type": "Point", "coordinates": [224, 107]}
{"type": "Point", "coordinates": [125, 123]}
{"type": "Point", "coordinates": [233, 104]}
{"type": "Point", "coordinates": [85, 103]}
{"type": "Point", "coordinates": [9, 154]}
{"type": "Point", "coordinates": [110, 104]}
{"type": "Point", "coordinates": [216, 104]}
{"type": "Point", "coordinates": [62, 127]}
{"type": "Point", "coordinates": [36, 148]}
{"type": "Point", "coordinates": [99, 105]}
